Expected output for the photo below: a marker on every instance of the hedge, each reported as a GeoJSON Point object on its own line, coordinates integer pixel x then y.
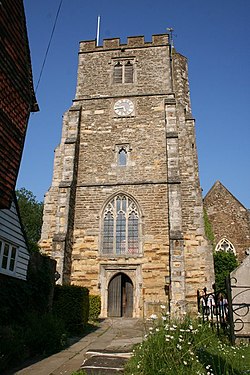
{"type": "Point", "coordinates": [94, 307]}
{"type": "Point", "coordinates": [71, 304]}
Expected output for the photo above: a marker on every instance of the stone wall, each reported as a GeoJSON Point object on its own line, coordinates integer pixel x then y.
{"type": "Point", "coordinates": [229, 218]}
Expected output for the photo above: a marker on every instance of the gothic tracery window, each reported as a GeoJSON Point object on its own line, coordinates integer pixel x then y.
{"type": "Point", "coordinates": [225, 245]}
{"type": "Point", "coordinates": [120, 233]}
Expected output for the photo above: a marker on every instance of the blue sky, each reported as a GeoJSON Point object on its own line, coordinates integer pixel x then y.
{"type": "Point", "coordinates": [213, 34]}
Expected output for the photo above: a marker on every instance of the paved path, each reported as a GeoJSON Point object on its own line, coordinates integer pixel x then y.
{"type": "Point", "coordinates": [102, 352]}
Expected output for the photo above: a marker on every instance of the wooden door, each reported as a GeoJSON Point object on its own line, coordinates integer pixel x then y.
{"type": "Point", "coordinates": [127, 296]}
{"type": "Point", "coordinates": [115, 296]}
{"type": "Point", "coordinates": [120, 296]}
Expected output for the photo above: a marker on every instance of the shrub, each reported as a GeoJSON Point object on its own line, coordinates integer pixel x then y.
{"type": "Point", "coordinates": [44, 334]}
{"type": "Point", "coordinates": [12, 346]}
{"type": "Point", "coordinates": [71, 304]}
{"type": "Point", "coordinates": [94, 307]}
{"type": "Point", "coordinates": [224, 263]}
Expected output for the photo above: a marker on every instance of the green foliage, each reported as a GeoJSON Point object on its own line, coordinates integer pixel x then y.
{"type": "Point", "coordinates": [208, 228]}
{"type": "Point", "coordinates": [44, 333]}
{"type": "Point", "coordinates": [32, 295]}
{"type": "Point", "coordinates": [40, 334]}
{"type": "Point", "coordinates": [79, 372]}
{"type": "Point", "coordinates": [12, 346]}
{"type": "Point", "coordinates": [31, 212]}
{"type": "Point", "coordinates": [186, 347]}
{"type": "Point", "coordinates": [23, 334]}
{"type": "Point", "coordinates": [94, 307]}
{"type": "Point", "coordinates": [41, 280]}
{"type": "Point", "coordinates": [224, 263]}
{"type": "Point", "coordinates": [71, 304]}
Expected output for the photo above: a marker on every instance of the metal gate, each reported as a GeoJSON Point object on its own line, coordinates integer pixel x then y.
{"type": "Point", "coordinates": [120, 296]}
{"type": "Point", "coordinates": [238, 308]}
{"type": "Point", "coordinates": [227, 311]}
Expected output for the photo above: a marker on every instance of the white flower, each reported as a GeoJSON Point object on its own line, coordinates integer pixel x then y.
{"type": "Point", "coordinates": [153, 316]}
{"type": "Point", "coordinates": [185, 363]}
{"type": "Point", "coordinates": [163, 306]}
{"type": "Point", "coordinates": [164, 318]}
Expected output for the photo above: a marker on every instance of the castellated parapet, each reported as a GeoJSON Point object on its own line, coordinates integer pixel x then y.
{"type": "Point", "coordinates": [132, 42]}
{"type": "Point", "coordinates": [124, 214]}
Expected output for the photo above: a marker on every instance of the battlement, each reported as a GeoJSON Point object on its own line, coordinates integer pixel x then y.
{"type": "Point", "coordinates": [132, 42]}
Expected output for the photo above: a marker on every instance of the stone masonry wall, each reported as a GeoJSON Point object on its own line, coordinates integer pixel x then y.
{"type": "Point", "coordinates": [198, 253]}
{"type": "Point", "coordinates": [229, 218]}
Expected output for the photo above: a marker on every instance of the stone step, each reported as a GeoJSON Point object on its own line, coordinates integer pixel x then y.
{"type": "Point", "coordinates": [106, 363]}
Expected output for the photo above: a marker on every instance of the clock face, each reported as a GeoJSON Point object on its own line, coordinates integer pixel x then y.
{"type": "Point", "coordinates": [123, 107]}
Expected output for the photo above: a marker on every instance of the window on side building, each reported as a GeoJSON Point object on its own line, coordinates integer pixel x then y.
{"type": "Point", "coordinates": [8, 256]}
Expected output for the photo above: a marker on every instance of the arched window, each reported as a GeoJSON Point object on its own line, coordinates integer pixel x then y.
{"type": "Point", "coordinates": [120, 227]}
{"type": "Point", "coordinates": [118, 69]}
{"type": "Point", "coordinates": [225, 245]}
{"type": "Point", "coordinates": [122, 157]}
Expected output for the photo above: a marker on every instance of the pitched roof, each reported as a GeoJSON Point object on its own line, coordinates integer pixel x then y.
{"type": "Point", "coordinates": [17, 97]}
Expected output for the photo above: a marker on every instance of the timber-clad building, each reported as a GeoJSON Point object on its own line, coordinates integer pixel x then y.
{"type": "Point", "coordinates": [124, 213]}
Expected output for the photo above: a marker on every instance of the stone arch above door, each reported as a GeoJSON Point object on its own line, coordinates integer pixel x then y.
{"type": "Point", "coordinates": [133, 273]}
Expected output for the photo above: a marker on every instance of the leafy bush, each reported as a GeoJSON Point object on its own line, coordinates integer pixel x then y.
{"type": "Point", "coordinates": [71, 304]}
{"type": "Point", "coordinates": [31, 212]}
{"type": "Point", "coordinates": [224, 263]}
{"type": "Point", "coordinates": [44, 334]}
{"type": "Point", "coordinates": [94, 307]}
{"type": "Point", "coordinates": [35, 294]}
{"type": "Point", "coordinates": [186, 347]}
{"type": "Point", "coordinates": [12, 346]}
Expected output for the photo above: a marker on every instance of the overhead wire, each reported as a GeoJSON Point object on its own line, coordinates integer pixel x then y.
{"type": "Point", "coordinates": [48, 47]}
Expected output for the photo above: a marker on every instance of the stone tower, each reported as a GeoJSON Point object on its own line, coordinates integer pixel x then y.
{"type": "Point", "coordinates": [124, 214]}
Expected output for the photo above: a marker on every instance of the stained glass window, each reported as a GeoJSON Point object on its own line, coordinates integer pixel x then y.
{"type": "Point", "coordinates": [120, 227]}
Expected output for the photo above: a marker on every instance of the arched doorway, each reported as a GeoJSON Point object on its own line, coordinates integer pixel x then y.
{"type": "Point", "coordinates": [120, 296]}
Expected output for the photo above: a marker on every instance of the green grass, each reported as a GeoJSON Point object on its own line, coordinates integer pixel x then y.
{"type": "Point", "coordinates": [187, 347]}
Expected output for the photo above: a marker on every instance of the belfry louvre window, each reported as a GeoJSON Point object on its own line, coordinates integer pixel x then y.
{"type": "Point", "coordinates": [123, 72]}
{"type": "Point", "coordinates": [120, 233]}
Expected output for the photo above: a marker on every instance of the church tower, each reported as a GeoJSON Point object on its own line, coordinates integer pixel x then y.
{"type": "Point", "coordinates": [124, 214]}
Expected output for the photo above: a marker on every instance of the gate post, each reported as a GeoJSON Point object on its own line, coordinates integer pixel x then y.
{"type": "Point", "coordinates": [230, 310]}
